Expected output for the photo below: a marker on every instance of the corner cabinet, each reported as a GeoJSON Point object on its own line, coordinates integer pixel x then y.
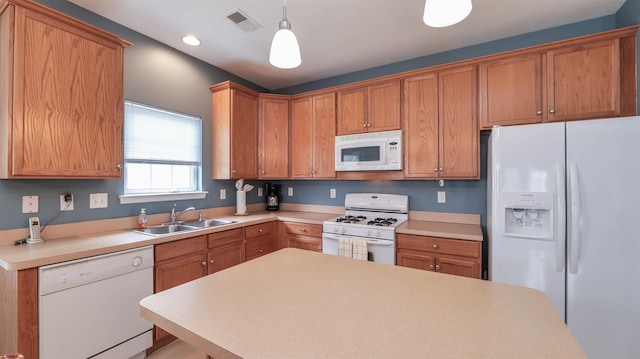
{"type": "Point", "coordinates": [313, 129]}
{"type": "Point", "coordinates": [273, 142]}
{"type": "Point", "coordinates": [370, 108]}
{"type": "Point", "coordinates": [61, 95]}
{"type": "Point", "coordinates": [235, 132]}
{"type": "Point", "coordinates": [440, 125]}
{"type": "Point", "coordinates": [304, 236]}
{"type": "Point", "coordinates": [584, 78]}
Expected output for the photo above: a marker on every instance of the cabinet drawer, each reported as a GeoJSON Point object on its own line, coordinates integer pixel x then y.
{"type": "Point", "coordinates": [305, 229]}
{"type": "Point", "coordinates": [179, 248]}
{"type": "Point", "coordinates": [440, 245]}
{"type": "Point", "coordinates": [258, 230]}
{"type": "Point", "coordinates": [305, 242]}
{"type": "Point", "coordinates": [223, 238]}
{"type": "Point", "coordinates": [259, 246]}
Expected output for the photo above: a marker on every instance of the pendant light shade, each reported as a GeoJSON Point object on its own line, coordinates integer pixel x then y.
{"type": "Point", "coordinates": [441, 13]}
{"type": "Point", "coordinates": [285, 52]}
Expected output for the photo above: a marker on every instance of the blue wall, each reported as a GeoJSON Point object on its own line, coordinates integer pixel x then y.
{"type": "Point", "coordinates": [158, 75]}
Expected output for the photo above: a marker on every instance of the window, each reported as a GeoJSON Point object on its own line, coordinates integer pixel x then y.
{"type": "Point", "coordinates": [162, 151]}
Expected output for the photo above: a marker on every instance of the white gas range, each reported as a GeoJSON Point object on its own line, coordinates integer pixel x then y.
{"type": "Point", "coordinates": [373, 216]}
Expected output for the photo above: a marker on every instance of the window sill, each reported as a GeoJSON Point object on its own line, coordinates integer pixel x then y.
{"type": "Point", "coordinates": [160, 197]}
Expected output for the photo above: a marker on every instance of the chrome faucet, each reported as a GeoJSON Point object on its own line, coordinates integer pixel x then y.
{"type": "Point", "coordinates": [175, 216]}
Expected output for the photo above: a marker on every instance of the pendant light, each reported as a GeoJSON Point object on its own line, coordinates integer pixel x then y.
{"type": "Point", "coordinates": [285, 52]}
{"type": "Point", "coordinates": [441, 13]}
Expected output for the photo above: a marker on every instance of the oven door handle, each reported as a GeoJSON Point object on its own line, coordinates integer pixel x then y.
{"type": "Point", "coordinates": [377, 242]}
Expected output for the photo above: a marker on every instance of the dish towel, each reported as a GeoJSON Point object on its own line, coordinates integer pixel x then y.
{"type": "Point", "coordinates": [344, 247]}
{"type": "Point", "coordinates": [359, 248]}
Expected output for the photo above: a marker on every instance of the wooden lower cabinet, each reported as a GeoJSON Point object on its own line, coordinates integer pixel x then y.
{"type": "Point", "coordinates": [225, 249]}
{"type": "Point", "coordinates": [304, 236]}
{"type": "Point", "coordinates": [260, 240]}
{"type": "Point", "coordinates": [451, 256]}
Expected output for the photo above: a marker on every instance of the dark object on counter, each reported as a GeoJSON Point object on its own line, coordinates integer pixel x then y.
{"type": "Point", "coordinates": [273, 196]}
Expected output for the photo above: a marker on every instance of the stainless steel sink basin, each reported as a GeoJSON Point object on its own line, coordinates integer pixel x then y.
{"type": "Point", "coordinates": [208, 223]}
{"type": "Point", "coordinates": [165, 229]}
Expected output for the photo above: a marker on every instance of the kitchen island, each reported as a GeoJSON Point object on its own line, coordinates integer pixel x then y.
{"type": "Point", "coordinates": [300, 304]}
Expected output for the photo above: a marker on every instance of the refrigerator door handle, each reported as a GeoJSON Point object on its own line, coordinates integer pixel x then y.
{"type": "Point", "coordinates": [574, 226]}
{"type": "Point", "coordinates": [561, 210]}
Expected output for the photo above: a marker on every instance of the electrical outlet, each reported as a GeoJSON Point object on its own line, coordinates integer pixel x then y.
{"type": "Point", "coordinates": [259, 191]}
{"type": "Point", "coordinates": [223, 193]}
{"type": "Point", "coordinates": [332, 193]}
{"type": "Point", "coordinates": [442, 198]}
{"type": "Point", "coordinates": [98, 200]}
{"type": "Point", "coordinates": [29, 204]}
{"type": "Point", "coordinates": [66, 205]}
{"type": "Point", "coordinates": [290, 191]}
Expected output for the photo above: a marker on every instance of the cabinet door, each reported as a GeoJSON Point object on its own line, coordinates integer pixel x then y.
{"type": "Point", "coordinates": [352, 114]}
{"type": "Point", "coordinates": [174, 272]}
{"type": "Point", "coordinates": [584, 81]}
{"type": "Point", "coordinates": [259, 246]}
{"type": "Point", "coordinates": [458, 266]}
{"type": "Point", "coordinates": [224, 257]}
{"type": "Point", "coordinates": [301, 138]}
{"type": "Point", "coordinates": [511, 91]}
{"type": "Point", "coordinates": [459, 137]}
{"type": "Point", "coordinates": [68, 103]}
{"type": "Point", "coordinates": [421, 126]}
{"type": "Point", "coordinates": [413, 259]}
{"type": "Point", "coordinates": [305, 242]}
{"type": "Point", "coordinates": [244, 135]}
{"type": "Point", "coordinates": [383, 112]}
{"type": "Point", "coordinates": [324, 132]}
{"type": "Point", "coordinates": [274, 138]}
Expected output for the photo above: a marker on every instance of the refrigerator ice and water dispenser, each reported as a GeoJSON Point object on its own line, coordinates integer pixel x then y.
{"type": "Point", "coordinates": [528, 214]}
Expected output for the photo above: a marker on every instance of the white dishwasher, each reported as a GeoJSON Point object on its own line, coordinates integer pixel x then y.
{"type": "Point", "coordinates": [89, 308]}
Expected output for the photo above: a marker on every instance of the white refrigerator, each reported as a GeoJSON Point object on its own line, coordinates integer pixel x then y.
{"type": "Point", "coordinates": [564, 217]}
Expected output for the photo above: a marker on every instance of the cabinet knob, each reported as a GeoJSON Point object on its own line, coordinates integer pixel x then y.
{"type": "Point", "coordinates": [233, 171]}
{"type": "Point", "coordinates": [263, 172]}
{"type": "Point", "coordinates": [302, 230]}
{"type": "Point", "coordinates": [435, 246]}
{"type": "Point", "coordinates": [552, 111]}
{"type": "Point", "coordinates": [320, 249]}
{"type": "Point", "coordinates": [539, 112]}
{"type": "Point", "coordinates": [119, 166]}
{"type": "Point", "coordinates": [204, 263]}
{"type": "Point", "coordinates": [435, 170]}
{"type": "Point", "coordinates": [438, 267]}
{"type": "Point", "coordinates": [261, 251]}
{"type": "Point", "coordinates": [368, 125]}
{"type": "Point", "coordinates": [364, 125]}
{"type": "Point", "coordinates": [431, 266]}
{"type": "Point", "coordinates": [440, 169]}
{"type": "Point", "coordinates": [211, 261]}
{"type": "Point", "coordinates": [260, 230]}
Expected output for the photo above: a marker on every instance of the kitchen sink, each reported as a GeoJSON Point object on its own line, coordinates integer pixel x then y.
{"type": "Point", "coordinates": [206, 223]}
{"type": "Point", "coordinates": [165, 229]}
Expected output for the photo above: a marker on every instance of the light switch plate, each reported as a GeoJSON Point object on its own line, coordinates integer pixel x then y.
{"type": "Point", "coordinates": [442, 197]}
{"type": "Point", "coordinates": [29, 204]}
{"type": "Point", "coordinates": [98, 200]}
{"type": "Point", "coordinates": [332, 193]}
{"type": "Point", "coordinates": [223, 193]}
{"type": "Point", "coordinates": [290, 191]}
{"type": "Point", "coordinates": [259, 191]}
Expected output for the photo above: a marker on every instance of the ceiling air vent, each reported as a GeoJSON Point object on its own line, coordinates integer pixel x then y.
{"type": "Point", "coordinates": [243, 21]}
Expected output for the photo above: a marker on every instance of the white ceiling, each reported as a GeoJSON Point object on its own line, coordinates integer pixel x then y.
{"type": "Point", "coordinates": [335, 36]}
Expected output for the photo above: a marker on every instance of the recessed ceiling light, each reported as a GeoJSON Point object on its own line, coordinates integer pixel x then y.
{"type": "Point", "coordinates": [191, 40]}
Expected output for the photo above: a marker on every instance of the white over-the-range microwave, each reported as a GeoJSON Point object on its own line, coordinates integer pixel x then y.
{"type": "Point", "coordinates": [372, 151]}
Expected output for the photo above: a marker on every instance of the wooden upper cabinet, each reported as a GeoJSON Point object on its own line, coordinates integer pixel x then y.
{"type": "Point", "coordinates": [584, 81]}
{"type": "Point", "coordinates": [440, 126]}
{"type": "Point", "coordinates": [370, 108]}
{"type": "Point", "coordinates": [273, 152]}
{"type": "Point", "coordinates": [421, 126]}
{"type": "Point", "coordinates": [585, 78]}
{"type": "Point", "coordinates": [235, 132]}
{"type": "Point", "coordinates": [61, 96]}
{"type": "Point", "coordinates": [313, 128]}
{"type": "Point", "coordinates": [511, 91]}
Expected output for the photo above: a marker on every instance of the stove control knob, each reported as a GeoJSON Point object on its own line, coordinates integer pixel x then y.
{"type": "Point", "coordinates": [369, 233]}
{"type": "Point", "coordinates": [344, 230]}
{"type": "Point", "coordinates": [336, 229]}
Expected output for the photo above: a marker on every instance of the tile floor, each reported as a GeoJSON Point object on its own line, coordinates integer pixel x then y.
{"type": "Point", "coordinates": [177, 349]}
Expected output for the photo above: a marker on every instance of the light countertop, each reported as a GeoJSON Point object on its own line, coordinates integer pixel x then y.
{"type": "Point", "coordinates": [75, 246]}
{"type": "Point", "coordinates": [300, 304]}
